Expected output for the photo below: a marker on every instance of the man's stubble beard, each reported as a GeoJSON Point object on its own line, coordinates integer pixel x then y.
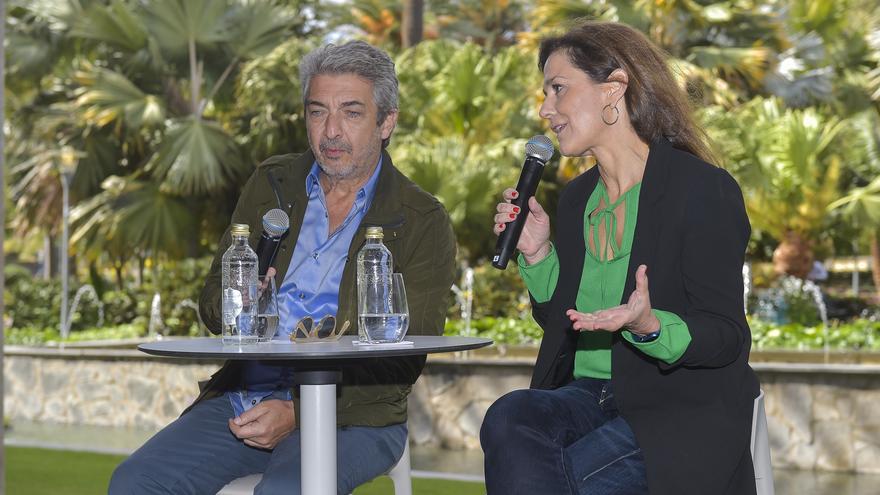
{"type": "Point", "coordinates": [356, 168]}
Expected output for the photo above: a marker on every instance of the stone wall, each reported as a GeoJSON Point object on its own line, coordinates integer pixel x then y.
{"type": "Point", "coordinates": [820, 416]}
{"type": "Point", "coordinates": [103, 388]}
{"type": "Point", "coordinates": [823, 417]}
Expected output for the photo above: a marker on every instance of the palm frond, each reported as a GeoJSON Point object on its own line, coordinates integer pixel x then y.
{"type": "Point", "coordinates": [175, 23]}
{"type": "Point", "coordinates": [196, 157]}
{"type": "Point", "coordinates": [116, 23]}
{"type": "Point", "coordinates": [257, 28]}
{"type": "Point", "coordinates": [107, 96]}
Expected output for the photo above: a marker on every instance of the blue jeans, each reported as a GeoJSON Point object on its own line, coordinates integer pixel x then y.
{"type": "Point", "coordinates": [198, 454]}
{"type": "Point", "coordinates": [571, 440]}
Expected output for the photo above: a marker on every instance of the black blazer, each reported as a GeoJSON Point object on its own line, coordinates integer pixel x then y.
{"type": "Point", "coordinates": [692, 418]}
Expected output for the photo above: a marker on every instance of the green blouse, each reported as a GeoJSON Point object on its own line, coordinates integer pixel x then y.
{"type": "Point", "coordinates": [601, 286]}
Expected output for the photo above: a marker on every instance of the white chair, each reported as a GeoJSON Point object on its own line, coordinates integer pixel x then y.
{"type": "Point", "coordinates": [760, 447]}
{"type": "Point", "coordinates": [399, 474]}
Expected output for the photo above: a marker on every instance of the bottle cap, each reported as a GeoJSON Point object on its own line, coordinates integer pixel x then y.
{"type": "Point", "coordinates": [240, 229]}
{"type": "Point", "coordinates": [374, 233]}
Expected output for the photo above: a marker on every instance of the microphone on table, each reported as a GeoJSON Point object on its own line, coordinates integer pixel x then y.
{"type": "Point", "coordinates": [275, 226]}
{"type": "Point", "coordinates": [539, 149]}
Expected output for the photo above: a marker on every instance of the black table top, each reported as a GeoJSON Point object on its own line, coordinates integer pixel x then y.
{"type": "Point", "coordinates": [213, 348]}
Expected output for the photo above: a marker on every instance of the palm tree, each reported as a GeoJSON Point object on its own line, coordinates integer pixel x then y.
{"type": "Point", "coordinates": [413, 22]}
{"type": "Point", "coordinates": [490, 23]}
{"type": "Point", "coordinates": [789, 163]}
{"type": "Point", "coordinates": [143, 92]}
{"type": "Point", "coordinates": [721, 51]}
{"type": "Point", "coordinates": [379, 20]}
{"type": "Point", "coordinates": [861, 204]}
{"type": "Point", "coordinates": [464, 119]}
{"type": "Point", "coordinates": [856, 59]}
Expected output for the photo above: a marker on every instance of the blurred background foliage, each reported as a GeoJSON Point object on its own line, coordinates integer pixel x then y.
{"type": "Point", "coordinates": [159, 109]}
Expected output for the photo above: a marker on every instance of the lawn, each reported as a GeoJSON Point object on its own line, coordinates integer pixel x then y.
{"type": "Point", "coordinates": [44, 472]}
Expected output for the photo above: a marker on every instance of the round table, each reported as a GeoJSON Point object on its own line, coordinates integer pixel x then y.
{"type": "Point", "coordinates": [317, 373]}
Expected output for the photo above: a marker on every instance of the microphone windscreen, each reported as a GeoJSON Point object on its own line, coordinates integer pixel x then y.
{"type": "Point", "coordinates": [276, 222]}
{"type": "Point", "coordinates": [540, 147]}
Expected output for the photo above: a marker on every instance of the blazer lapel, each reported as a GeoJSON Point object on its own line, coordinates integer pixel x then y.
{"type": "Point", "coordinates": [650, 214]}
{"type": "Point", "coordinates": [559, 344]}
{"type": "Point", "coordinates": [570, 242]}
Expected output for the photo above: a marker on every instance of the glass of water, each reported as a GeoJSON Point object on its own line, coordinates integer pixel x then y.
{"type": "Point", "coordinates": [389, 327]}
{"type": "Point", "coordinates": [267, 310]}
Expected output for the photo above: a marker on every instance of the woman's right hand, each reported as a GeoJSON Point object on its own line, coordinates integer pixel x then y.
{"type": "Point", "coordinates": [534, 242]}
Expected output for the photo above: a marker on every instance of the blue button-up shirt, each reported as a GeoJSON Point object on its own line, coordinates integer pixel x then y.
{"type": "Point", "coordinates": [311, 285]}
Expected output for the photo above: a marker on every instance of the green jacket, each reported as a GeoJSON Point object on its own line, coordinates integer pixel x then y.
{"type": "Point", "coordinates": [418, 234]}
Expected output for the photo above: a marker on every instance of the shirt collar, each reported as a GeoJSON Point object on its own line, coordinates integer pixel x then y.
{"type": "Point", "coordinates": [364, 195]}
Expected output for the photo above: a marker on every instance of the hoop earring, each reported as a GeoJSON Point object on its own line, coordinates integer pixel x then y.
{"type": "Point", "coordinates": [616, 114]}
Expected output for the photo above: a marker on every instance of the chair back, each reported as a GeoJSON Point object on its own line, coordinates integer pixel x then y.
{"type": "Point", "coordinates": [760, 448]}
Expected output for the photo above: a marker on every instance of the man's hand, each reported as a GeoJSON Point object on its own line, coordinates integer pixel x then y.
{"type": "Point", "coordinates": [270, 272]}
{"type": "Point", "coordinates": [635, 315]}
{"type": "Point", "coordinates": [266, 424]}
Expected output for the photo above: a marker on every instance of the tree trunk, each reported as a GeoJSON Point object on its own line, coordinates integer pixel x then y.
{"type": "Point", "coordinates": [875, 263]}
{"type": "Point", "coordinates": [50, 258]}
{"type": "Point", "coordinates": [412, 23]}
{"type": "Point", "coordinates": [120, 283]}
{"type": "Point", "coordinates": [141, 259]}
{"type": "Point", "coordinates": [793, 256]}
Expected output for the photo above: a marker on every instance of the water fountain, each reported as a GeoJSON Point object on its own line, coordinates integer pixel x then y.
{"type": "Point", "coordinates": [773, 305]}
{"type": "Point", "coordinates": [464, 296]}
{"type": "Point", "coordinates": [811, 288]}
{"type": "Point", "coordinates": [85, 289]}
{"type": "Point", "coordinates": [747, 285]}
{"type": "Point", "coordinates": [189, 303]}
{"type": "Point", "coordinates": [156, 327]}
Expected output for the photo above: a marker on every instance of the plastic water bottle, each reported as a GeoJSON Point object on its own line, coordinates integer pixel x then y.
{"type": "Point", "coordinates": [374, 269]}
{"type": "Point", "coordinates": [240, 283]}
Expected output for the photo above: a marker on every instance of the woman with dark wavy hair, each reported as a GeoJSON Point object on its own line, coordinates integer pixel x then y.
{"type": "Point", "coordinates": [636, 389]}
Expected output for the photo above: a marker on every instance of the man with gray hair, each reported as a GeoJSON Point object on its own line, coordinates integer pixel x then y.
{"type": "Point", "coordinates": [244, 421]}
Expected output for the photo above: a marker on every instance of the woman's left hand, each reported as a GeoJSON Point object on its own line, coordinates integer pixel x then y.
{"type": "Point", "coordinates": [635, 315]}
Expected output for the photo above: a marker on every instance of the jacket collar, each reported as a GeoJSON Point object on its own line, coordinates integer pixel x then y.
{"type": "Point", "coordinates": [656, 172]}
{"type": "Point", "coordinates": [386, 209]}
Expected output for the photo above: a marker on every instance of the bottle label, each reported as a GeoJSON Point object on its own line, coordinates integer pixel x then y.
{"type": "Point", "coordinates": [232, 305]}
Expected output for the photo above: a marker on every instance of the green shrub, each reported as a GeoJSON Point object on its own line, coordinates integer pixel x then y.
{"type": "Point", "coordinates": [119, 307]}
{"type": "Point", "coordinates": [30, 335]}
{"type": "Point", "coordinates": [126, 331]}
{"type": "Point", "coordinates": [36, 304]}
{"type": "Point", "coordinates": [500, 330]}
{"type": "Point", "coordinates": [497, 293]}
{"type": "Point", "coordinates": [860, 334]}
{"type": "Point", "coordinates": [40, 336]}
{"type": "Point", "coordinates": [176, 283]}
{"type": "Point", "coordinates": [29, 301]}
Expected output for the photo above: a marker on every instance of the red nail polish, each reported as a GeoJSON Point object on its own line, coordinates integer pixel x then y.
{"type": "Point", "coordinates": [512, 216]}
{"type": "Point", "coordinates": [515, 194]}
{"type": "Point", "coordinates": [516, 209]}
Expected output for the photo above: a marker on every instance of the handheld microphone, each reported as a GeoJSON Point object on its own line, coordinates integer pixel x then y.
{"type": "Point", "coordinates": [539, 149]}
{"type": "Point", "coordinates": [275, 226]}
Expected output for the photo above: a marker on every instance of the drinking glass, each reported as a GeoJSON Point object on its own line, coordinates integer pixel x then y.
{"type": "Point", "coordinates": [267, 310]}
{"type": "Point", "coordinates": [383, 328]}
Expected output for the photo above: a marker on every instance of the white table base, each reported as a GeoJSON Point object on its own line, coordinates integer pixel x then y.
{"type": "Point", "coordinates": [318, 437]}
{"type": "Point", "coordinates": [317, 416]}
